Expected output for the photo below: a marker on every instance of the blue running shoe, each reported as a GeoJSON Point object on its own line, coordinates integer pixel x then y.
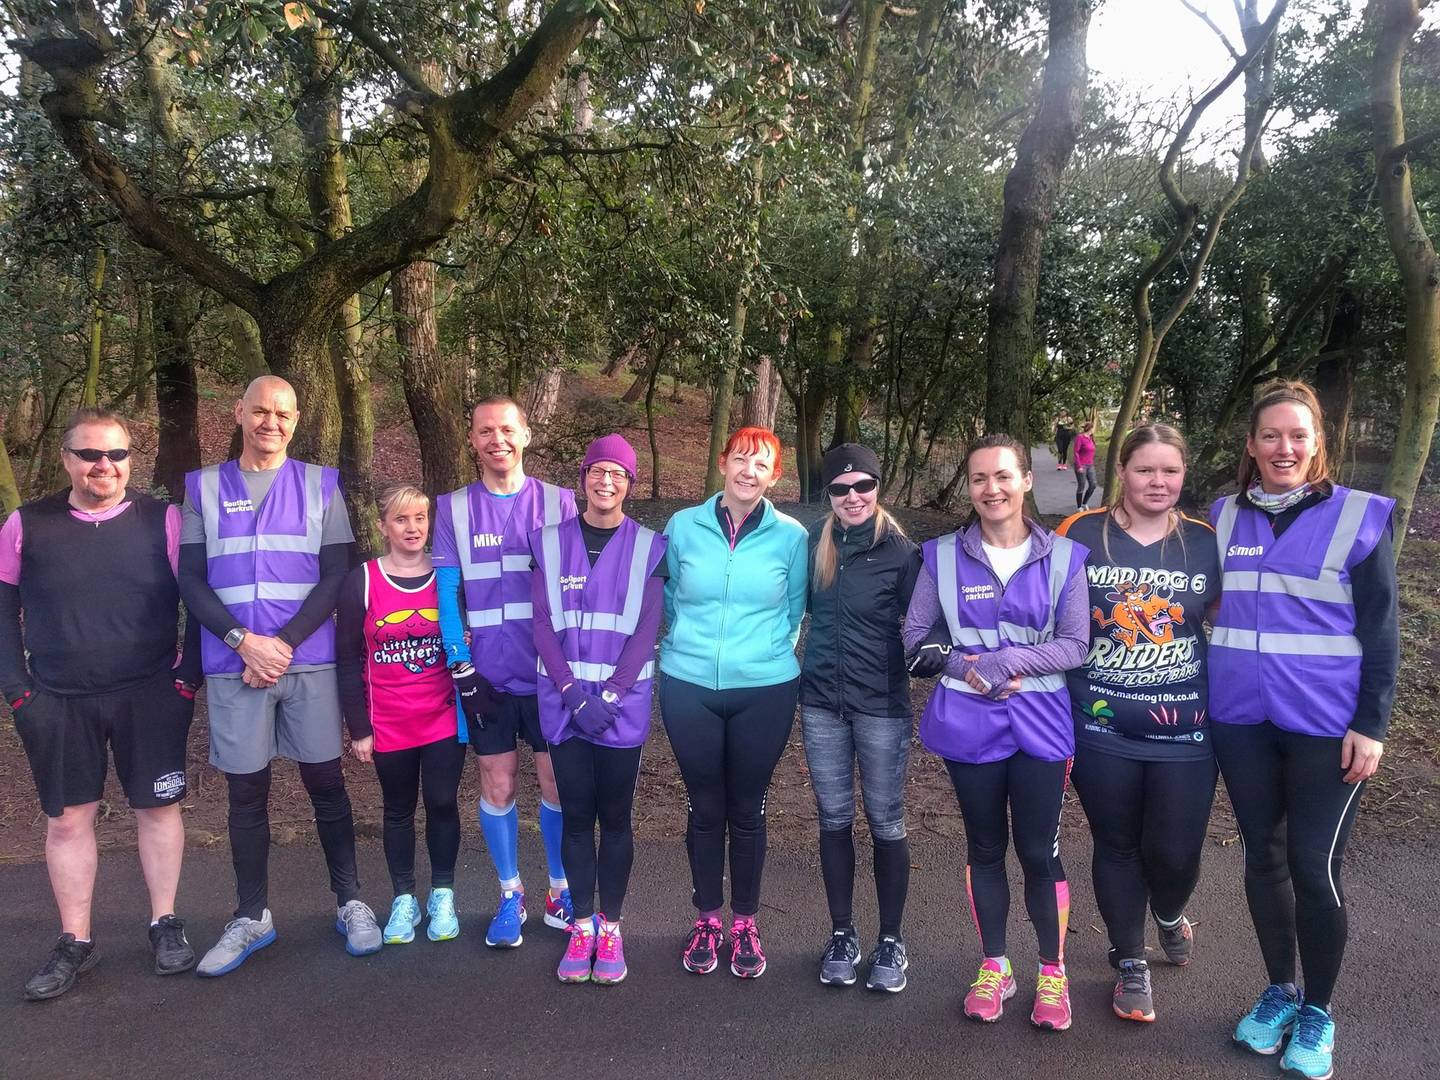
{"type": "Point", "coordinates": [1265, 1026]}
{"type": "Point", "coordinates": [559, 910]}
{"type": "Point", "coordinates": [441, 909]}
{"type": "Point", "coordinates": [1312, 1046]}
{"type": "Point", "coordinates": [404, 917]}
{"type": "Point", "coordinates": [504, 932]}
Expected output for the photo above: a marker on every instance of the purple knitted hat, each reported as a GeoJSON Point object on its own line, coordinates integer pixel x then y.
{"type": "Point", "coordinates": [609, 448]}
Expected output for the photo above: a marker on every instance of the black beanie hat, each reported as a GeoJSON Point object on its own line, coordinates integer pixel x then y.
{"type": "Point", "coordinates": [848, 457]}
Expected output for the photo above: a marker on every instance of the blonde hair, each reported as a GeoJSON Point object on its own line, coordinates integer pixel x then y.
{"type": "Point", "coordinates": [1277, 392]}
{"type": "Point", "coordinates": [398, 496]}
{"type": "Point", "coordinates": [1145, 435]}
{"type": "Point", "coordinates": [826, 559]}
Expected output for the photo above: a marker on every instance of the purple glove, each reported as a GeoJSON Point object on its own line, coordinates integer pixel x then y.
{"type": "Point", "coordinates": [593, 713]}
{"type": "Point", "coordinates": [991, 672]}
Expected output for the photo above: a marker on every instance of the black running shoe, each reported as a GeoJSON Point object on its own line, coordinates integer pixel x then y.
{"type": "Point", "coordinates": [173, 953]}
{"type": "Point", "coordinates": [68, 961]}
{"type": "Point", "coordinates": [1177, 942]}
{"type": "Point", "coordinates": [888, 964]}
{"type": "Point", "coordinates": [842, 954]}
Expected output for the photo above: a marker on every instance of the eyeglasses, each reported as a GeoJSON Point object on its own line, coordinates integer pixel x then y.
{"type": "Point", "coordinates": [596, 472]}
{"type": "Point", "coordinates": [86, 453]}
{"type": "Point", "coordinates": [860, 487]}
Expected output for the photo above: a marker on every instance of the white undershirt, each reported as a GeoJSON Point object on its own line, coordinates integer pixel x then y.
{"type": "Point", "coordinates": [1005, 561]}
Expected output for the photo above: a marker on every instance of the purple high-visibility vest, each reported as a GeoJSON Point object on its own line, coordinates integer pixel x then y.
{"type": "Point", "coordinates": [263, 561]}
{"type": "Point", "coordinates": [1284, 647]}
{"type": "Point", "coordinates": [960, 723]}
{"type": "Point", "coordinates": [492, 542]}
{"type": "Point", "coordinates": [595, 611]}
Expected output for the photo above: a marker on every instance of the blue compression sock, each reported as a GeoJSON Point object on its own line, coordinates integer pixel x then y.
{"type": "Point", "coordinates": [502, 836]}
{"type": "Point", "coordinates": [552, 831]}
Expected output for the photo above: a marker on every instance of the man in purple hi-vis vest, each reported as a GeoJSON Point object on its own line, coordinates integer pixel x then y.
{"type": "Point", "coordinates": [482, 569]}
{"type": "Point", "coordinates": [265, 544]}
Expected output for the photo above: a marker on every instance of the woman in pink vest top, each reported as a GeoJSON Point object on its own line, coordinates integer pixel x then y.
{"type": "Point", "coordinates": [399, 703]}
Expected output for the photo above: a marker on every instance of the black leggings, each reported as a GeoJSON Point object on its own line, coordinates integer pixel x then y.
{"type": "Point", "coordinates": [1148, 821]}
{"type": "Point", "coordinates": [1034, 791]}
{"type": "Point", "coordinates": [250, 833]}
{"type": "Point", "coordinates": [435, 770]}
{"type": "Point", "coordinates": [727, 744]}
{"type": "Point", "coordinates": [1295, 813]}
{"type": "Point", "coordinates": [597, 783]}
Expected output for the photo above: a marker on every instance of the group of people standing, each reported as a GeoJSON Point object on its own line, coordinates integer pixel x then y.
{"type": "Point", "coordinates": [1077, 653]}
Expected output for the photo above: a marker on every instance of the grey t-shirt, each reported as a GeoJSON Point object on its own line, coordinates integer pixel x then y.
{"type": "Point", "coordinates": [334, 529]}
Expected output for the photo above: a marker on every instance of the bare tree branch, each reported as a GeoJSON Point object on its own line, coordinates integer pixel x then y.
{"type": "Point", "coordinates": [358, 23]}
{"type": "Point", "coordinates": [1204, 16]}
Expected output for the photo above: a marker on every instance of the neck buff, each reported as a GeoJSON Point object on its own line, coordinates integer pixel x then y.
{"type": "Point", "coordinates": [1276, 504]}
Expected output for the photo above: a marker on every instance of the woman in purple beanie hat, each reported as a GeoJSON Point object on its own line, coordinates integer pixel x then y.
{"type": "Point", "coordinates": [598, 595]}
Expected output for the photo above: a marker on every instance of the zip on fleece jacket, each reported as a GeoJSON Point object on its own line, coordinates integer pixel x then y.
{"type": "Point", "coordinates": [733, 615]}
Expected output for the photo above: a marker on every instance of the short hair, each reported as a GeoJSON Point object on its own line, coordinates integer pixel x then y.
{"type": "Point", "coordinates": [500, 399]}
{"type": "Point", "coordinates": [90, 414]}
{"type": "Point", "coordinates": [396, 496]}
{"type": "Point", "coordinates": [751, 440]}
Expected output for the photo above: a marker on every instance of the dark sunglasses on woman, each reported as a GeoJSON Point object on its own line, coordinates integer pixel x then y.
{"type": "Point", "coordinates": [86, 453]}
{"type": "Point", "coordinates": [862, 487]}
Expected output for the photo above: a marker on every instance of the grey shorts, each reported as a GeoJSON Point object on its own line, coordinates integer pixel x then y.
{"type": "Point", "coordinates": [298, 718]}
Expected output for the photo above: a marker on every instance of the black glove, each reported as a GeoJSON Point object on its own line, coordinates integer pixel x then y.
{"type": "Point", "coordinates": [478, 698]}
{"type": "Point", "coordinates": [928, 659]}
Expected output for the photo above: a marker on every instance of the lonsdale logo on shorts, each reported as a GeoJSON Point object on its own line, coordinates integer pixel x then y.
{"type": "Point", "coordinates": [170, 786]}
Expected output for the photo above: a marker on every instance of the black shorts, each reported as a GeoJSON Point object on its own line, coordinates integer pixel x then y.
{"type": "Point", "coordinates": [517, 717]}
{"type": "Point", "coordinates": [146, 726]}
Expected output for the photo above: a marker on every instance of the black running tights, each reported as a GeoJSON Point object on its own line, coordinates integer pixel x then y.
{"type": "Point", "coordinates": [597, 785]}
{"type": "Point", "coordinates": [434, 771]}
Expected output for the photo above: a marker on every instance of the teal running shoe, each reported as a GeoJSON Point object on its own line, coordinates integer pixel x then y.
{"type": "Point", "coordinates": [1312, 1046]}
{"type": "Point", "coordinates": [441, 909]}
{"type": "Point", "coordinates": [404, 917]}
{"type": "Point", "coordinates": [504, 932]}
{"type": "Point", "coordinates": [1265, 1026]}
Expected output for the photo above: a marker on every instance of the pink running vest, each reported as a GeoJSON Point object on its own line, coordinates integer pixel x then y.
{"type": "Point", "coordinates": [408, 686]}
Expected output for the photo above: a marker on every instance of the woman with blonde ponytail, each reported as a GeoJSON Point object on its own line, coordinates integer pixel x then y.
{"type": "Point", "coordinates": [855, 705]}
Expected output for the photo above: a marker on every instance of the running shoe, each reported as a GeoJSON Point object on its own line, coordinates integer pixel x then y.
{"type": "Point", "coordinates": [888, 964]}
{"type": "Point", "coordinates": [702, 947]}
{"type": "Point", "coordinates": [169, 946]}
{"type": "Point", "coordinates": [1312, 1045]}
{"type": "Point", "coordinates": [579, 953]}
{"type": "Point", "coordinates": [1132, 999]}
{"type": "Point", "coordinates": [1265, 1026]}
{"type": "Point", "coordinates": [1052, 999]}
{"type": "Point", "coordinates": [609, 955]}
{"type": "Point", "coordinates": [840, 958]}
{"type": "Point", "coordinates": [404, 917]}
{"type": "Point", "coordinates": [68, 960]}
{"type": "Point", "coordinates": [504, 932]}
{"type": "Point", "coordinates": [357, 923]}
{"type": "Point", "coordinates": [559, 910]}
{"type": "Point", "coordinates": [747, 959]}
{"type": "Point", "coordinates": [444, 925]}
{"type": "Point", "coordinates": [1177, 942]}
{"type": "Point", "coordinates": [993, 986]}
{"type": "Point", "coordinates": [240, 939]}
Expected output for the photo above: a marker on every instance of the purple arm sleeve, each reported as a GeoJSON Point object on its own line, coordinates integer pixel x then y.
{"type": "Point", "coordinates": [547, 642]}
{"type": "Point", "coordinates": [1064, 651]}
{"type": "Point", "coordinates": [923, 611]}
{"type": "Point", "coordinates": [639, 650]}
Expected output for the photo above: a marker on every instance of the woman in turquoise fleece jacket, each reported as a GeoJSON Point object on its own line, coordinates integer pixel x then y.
{"type": "Point", "coordinates": [728, 684]}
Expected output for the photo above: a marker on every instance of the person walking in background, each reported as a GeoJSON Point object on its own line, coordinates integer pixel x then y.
{"type": "Point", "coordinates": [482, 566]}
{"type": "Point", "coordinates": [1013, 597]}
{"type": "Point", "coordinates": [399, 702]}
{"type": "Point", "coordinates": [1084, 465]}
{"type": "Point", "coordinates": [1063, 435]}
{"type": "Point", "coordinates": [855, 707]}
{"type": "Point", "coordinates": [1303, 664]}
{"type": "Point", "coordinates": [598, 594]}
{"type": "Point", "coordinates": [1144, 768]}
{"type": "Point", "coordinates": [734, 603]}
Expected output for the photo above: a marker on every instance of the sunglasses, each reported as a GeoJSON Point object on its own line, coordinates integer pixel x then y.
{"type": "Point", "coordinates": [86, 453]}
{"type": "Point", "coordinates": [860, 487]}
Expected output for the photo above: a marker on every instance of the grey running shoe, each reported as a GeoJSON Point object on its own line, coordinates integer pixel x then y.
{"type": "Point", "coordinates": [888, 964]}
{"type": "Point", "coordinates": [172, 952]}
{"type": "Point", "coordinates": [842, 954]}
{"type": "Point", "coordinates": [362, 933]}
{"type": "Point", "coordinates": [68, 961]}
{"type": "Point", "coordinates": [1132, 1000]}
{"type": "Point", "coordinates": [1178, 942]}
{"type": "Point", "coordinates": [242, 937]}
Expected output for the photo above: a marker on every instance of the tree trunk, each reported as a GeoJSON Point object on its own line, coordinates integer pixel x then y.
{"type": "Point", "coordinates": [650, 421]}
{"type": "Point", "coordinates": [142, 367]}
{"type": "Point", "coordinates": [815, 401]}
{"type": "Point", "coordinates": [432, 387]}
{"type": "Point", "coordinates": [1032, 190]}
{"type": "Point", "coordinates": [90, 394]}
{"type": "Point", "coordinates": [1335, 375]}
{"type": "Point", "coordinates": [544, 396]}
{"type": "Point", "coordinates": [245, 340]}
{"type": "Point", "coordinates": [9, 489]}
{"type": "Point", "coordinates": [762, 400]}
{"type": "Point", "coordinates": [177, 397]}
{"type": "Point", "coordinates": [1415, 255]}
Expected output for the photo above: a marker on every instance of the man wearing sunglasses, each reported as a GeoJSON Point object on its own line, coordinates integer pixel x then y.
{"type": "Point", "coordinates": [264, 549]}
{"type": "Point", "coordinates": [93, 570]}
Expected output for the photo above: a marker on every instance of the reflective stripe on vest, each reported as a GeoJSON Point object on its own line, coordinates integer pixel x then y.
{"type": "Point", "coordinates": [623, 623]}
{"type": "Point", "coordinates": [216, 545]}
{"type": "Point", "coordinates": [473, 569]}
{"type": "Point", "coordinates": [592, 672]}
{"type": "Point", "coordinates": [1327, 586]}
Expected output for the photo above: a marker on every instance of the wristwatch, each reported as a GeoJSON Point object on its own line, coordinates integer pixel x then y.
{"type": "Point", "coordinates": [235, 637]}
{"type": "Point", "coordinates": [609, 697]}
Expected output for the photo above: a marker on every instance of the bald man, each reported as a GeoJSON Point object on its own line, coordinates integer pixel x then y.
{"type": "Point", "coordinates": [265, 544]}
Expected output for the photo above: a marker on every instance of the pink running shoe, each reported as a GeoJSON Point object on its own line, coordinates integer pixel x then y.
{"type": "Point", "coordinates": [1052, 999]}
{"type": "Point", "coordinates": [702, 947]}
{"type": "Point", "coordinates": [747, 959]}
{"type": "Point", "coordinates": [989, 992]}
{"type": "Point", "coordinates": [575, 964]}
{"type": "Point", "coordinates": [609, 955]}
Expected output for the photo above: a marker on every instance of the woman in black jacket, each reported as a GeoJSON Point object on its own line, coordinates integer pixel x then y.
{"type": "Point", "coordinates": [855, 704]}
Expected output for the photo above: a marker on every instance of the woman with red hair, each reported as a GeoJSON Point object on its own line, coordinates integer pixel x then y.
{"type": "Point", "coordinates": [728, 684]}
